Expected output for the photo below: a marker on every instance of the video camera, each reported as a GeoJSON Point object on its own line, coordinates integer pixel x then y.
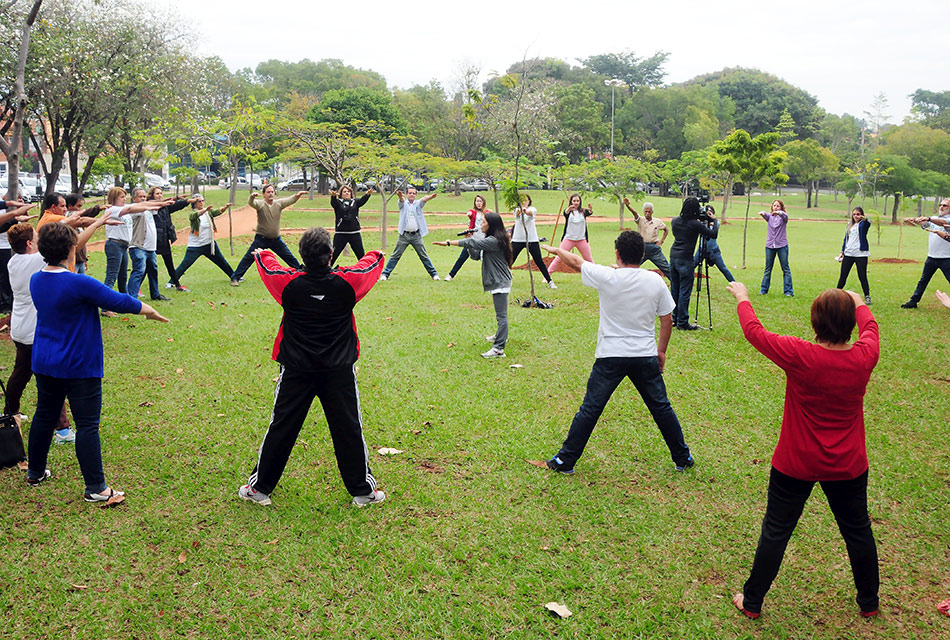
{"type": "Point", "coordinates": [704, 209]}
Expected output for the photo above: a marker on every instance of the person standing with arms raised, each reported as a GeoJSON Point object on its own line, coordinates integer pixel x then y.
{"type": "Point", "coordinates": [650, 227]}
{"type": "Point", "coordinates": [412, 229]}
{"type": "Point", "coordinates": [347, 230]}
{"type": "Point", "coordinates": [267, 233]}
{"type": "Point", "coordinates": [776, 244]}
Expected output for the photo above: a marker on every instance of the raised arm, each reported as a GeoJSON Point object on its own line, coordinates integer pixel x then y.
{"type": "Point", "coordinates": [626, 203]}
{"type": "Point", "coordinates": [89, 230]}
{"type": "Point", "coordinates": [15, 211]}
{"type": "Point", "coordinates": [429, 197]}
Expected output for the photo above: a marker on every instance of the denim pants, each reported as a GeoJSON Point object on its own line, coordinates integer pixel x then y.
{"type": "Point", "coordinates": [263, 242]}
{"type": "Point", "coordinates": [848, 500]}
{"type": "Point", "coordinates": [117, 263]}
{"type": "Point", "coordinates": [653, 253]}
{"type": "Point", "coordinates": [143, 262]}
{"type": "Point", "coordinates": [605, 376]}
{"type": "Point", "coordinates": [463, 256]}
{"type": "Point", "coordinates": [782, 253]}
{"type": "Point", "coordinates": [681, 287]}
{"type": "Point", "coordinates": [414, 239]}
{"type": "Point", "coordinates": [715, 257]}
{"type": "Point", "coordinates": [85, 401]}
{"type": "Point", "coordinates": [193, 253]}
{"type": "Point", "coordinates": [931, 265]}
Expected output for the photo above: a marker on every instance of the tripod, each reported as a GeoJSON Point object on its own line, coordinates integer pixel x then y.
{"type": "Point", "coordinates": [700, 265]}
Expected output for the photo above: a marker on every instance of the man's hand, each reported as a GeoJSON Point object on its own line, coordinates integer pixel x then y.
{"type": "Point", "coordinates": [661, 359]}
{"type": "Point", "coordinates": [369, 191]}
{"type": "Point", "coordinates": [738, 291]}
{"type": "Point", "coordinates": [255, 195]}
{"type": "Point", "coordinates": [399, 194]}
{"type": "Point", "coordinates": [943, 298]}
{"type": "Point", "coordinates": [24, 218]}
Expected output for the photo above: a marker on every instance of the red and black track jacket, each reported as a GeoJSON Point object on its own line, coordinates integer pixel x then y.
{"type": "Point", "coordinates": [318, 330]}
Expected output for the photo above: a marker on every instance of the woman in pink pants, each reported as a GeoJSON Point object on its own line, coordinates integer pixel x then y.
{"type": "Point", "coordinates": [575, 231]}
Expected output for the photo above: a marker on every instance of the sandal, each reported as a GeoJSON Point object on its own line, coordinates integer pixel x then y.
{"type": "Point", "coordinates": [739, 601]}
{"type": "Point", "coordinates": [108, 494]}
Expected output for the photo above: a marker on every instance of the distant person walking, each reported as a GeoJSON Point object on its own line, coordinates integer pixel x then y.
{"type": "Point", "coordinates": [412, 229]}
{"type": "Point", "coordinates": [776, 245]}
{"type": "Point", "coordinates": [267, 233]}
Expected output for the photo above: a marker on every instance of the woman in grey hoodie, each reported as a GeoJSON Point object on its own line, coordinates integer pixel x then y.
{"type": "Point", "coordinates": [494, 250]}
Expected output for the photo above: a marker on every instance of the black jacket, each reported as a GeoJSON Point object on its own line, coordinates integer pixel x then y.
{"type": "Point", "coordinates": [685, 233]}
{"type": "Point", "coordinates": [348, 212]}
{"type": "Point", "coordinates": [164, 228]}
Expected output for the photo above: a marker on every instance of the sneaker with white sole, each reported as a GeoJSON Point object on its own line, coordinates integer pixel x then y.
{"type": "Point", "coordinates": [35, 482]}
{"type": "Point", "coordinates": [104, 496]}
{"type": "Point", "coordinates": [247, 492]}
{"type": "Point", "coordinates": [551, 285]}
{"type": "Point", "coordinates": [69, 438]}
{"type": "Point", "coordinates": [490, 338]}
{"type": "Point", "coordinates": [383, 277]}
{"type": "Point", "coordinates": [448, 278]}
{"type": "Point", "coordinates": [374, 498]}
{"type": "Point", "coordinates": [169, 285]}
{"type": "Point", "coordinates": [494, 353]}
{"type": "Point", "coordinates": [435, 277]}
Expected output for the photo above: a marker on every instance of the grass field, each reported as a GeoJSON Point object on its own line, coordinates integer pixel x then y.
{"type": "Point", "coordinates": [472, 540]}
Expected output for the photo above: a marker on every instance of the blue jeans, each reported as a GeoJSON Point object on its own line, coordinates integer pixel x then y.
{"type": "Point", "coordinates": [653, 253]}
{"type": "Point", "coordinates": [715, 257]}
{"type": "Point", "coordinates": [139, 258]}
{"type": "Point", "coordinates": [263, 242]}
{"type": "Point", "coordinates": [681, 287]}
{"type": "Point", "coordinates": [782, 254]}
{"type": "Point", "coordinates": [85, 401]}
{"type": "Point", "coordinates": [117, 263]}
{"type": "Point", "coordinates": [605, 377]}
{"type": "Point", "coordinates": [458, 263]}
{"type": "Point", "coordinates": [193, 253]}
{"type": "Point", "coordinates": [414, 239]}
{"type": "Point", "coordinates": [931, 265]}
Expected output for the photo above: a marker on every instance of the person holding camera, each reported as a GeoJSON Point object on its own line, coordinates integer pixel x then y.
{"type": "Point", "coordinates": [822, 438]}
{"type": "Point", "coordinates": [713, 254]}
{"type": "Point", "coordinates": [776, 244]}
{"type": "Point", "coordinates": [691, 223]}
{"type": "Point", "coordinates": [649, 228]}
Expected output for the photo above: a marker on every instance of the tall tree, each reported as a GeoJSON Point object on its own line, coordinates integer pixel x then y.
{"type": "Point", "coordinates": [932, 108]}
{"type": "Point", "coordinates": [627, 66]}
{"type": "Point", "coordinates": [810, 163]}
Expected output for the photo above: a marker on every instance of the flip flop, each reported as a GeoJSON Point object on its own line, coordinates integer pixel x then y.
{"type": "Point", "coordinates": [739, 600]}
{"type": "Point", "coordinates": [109, 496]}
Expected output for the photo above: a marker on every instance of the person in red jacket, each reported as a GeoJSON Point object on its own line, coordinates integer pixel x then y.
{"type": "Point", "coordinates": [822, 437]}
{"type": "Point", "coordinates": [317, 348]}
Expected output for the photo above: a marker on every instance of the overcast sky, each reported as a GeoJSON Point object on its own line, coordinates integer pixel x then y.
{"type": "Point", "coordinates": [843, 53]}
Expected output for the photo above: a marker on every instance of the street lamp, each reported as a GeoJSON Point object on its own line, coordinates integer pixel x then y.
{"type": "Point", "coordinates": [613, 83]}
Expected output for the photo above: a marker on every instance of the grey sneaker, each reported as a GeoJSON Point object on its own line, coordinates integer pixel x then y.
{"type": "Point", "coordinates": [867, 300]}
{"type": "Point", "coordinates": [494, 353]}
{"type": "Point", "coordinates": [69, 438]}
{"type": "Point", "coordinates": [490, 338]}
{"type": "Point", "coordinates": [551, 284]}
{"type": "Point", "coordinates": [374, 498]}
{"type": "Point", "coordinates": [252, 495]}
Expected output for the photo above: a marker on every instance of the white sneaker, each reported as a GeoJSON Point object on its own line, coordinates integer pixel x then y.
{"type": "Point", "coordinates": [435, 277]}
{"type": "Point", "coordinates": [551, 285]}
{"type": "Point", "coordinates": [66, 439]}
{"type": "Point", "coordinates": [252, 495]}
{"type": "Point", "coordinates": [374, 498]}
{"type": "Point", "coordinates": [169, 285]}
{"type": "Point", "coordinates": [494, 353]}
{"type": "Point", "coordinates": [448, 277]}
{"type": "Point", "coordinates": [490, 338]}
{"type": "Point", "coordinates": [383, 277]}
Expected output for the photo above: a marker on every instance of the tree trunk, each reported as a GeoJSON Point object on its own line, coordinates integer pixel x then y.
{"type": "Point", "coordinates": [382, 220]}
{"type": "Point", "coordinates": [745, 227]}
{"type": "Point", "coordinates": [620, 198]}
{"type": "Point", "coordinates": [887, 197]}
{"type": "Point", "coordinates": [920, 207]}
{"type": "Point", "coordinates": [897, 199]}
{"type": "Point", "coordinates": [808, 190]}
{"type": "Point", "coordinates": [817, 187]}
{"type": "Point", "coordinates": [495, 192]}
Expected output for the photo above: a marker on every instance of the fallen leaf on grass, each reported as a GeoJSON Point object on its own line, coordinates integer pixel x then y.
{"type": "Point", "coordinates": [113, 501]}
{"type": "Point", "coordinates": [179, 370]}
{"type": "Point", "coordinates": [147, 403]}
{"type": "Point", "coordinates": [182, 557]}
{"type": "Point", "coordinates": [211, 304]}
{"type": "Point", "coordinates": [77, 587]}
{"type": "Point", "coordinates": [275, 379]}
{"type": "Point", "coordinates": [540, 464]}
{"type": "Point", "coordinates": [450, 345]}
{"type": "Point", "coordinates": [194, 544]}
{"type": "Point", "coordinates": [274, 541]}
{"type": "Point", "coordinates": [389, 318]}
{"type": "Point", "coordinates": [741, 370]}
{"type": "Point", "coordinates": [558, 610]}
{"type": "Point", "coordinates": [170, 340]}
{"type": "Point", "coordinates": [415, 432]}
{"type": "Point", "coordinates": [388, 451]}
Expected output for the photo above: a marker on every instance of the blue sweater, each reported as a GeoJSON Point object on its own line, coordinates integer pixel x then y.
{"type": "Point", "coordinates": [68, 339]}
{"type": "Point", "coordinates": [863, 227]}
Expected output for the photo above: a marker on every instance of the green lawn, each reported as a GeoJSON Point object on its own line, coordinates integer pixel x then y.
{"type": "Point", "coordinates": [472, 540]}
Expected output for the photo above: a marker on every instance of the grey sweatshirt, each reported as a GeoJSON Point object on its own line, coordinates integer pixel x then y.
{"type": "Point", "coordinates": [495, 271]}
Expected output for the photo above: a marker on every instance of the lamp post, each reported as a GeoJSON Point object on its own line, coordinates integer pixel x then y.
{"type": "Point", "coordinates": [613, 83]}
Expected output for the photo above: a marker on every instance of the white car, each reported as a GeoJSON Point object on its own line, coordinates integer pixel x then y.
{"type": "Point", "coordinates": [155, 180]}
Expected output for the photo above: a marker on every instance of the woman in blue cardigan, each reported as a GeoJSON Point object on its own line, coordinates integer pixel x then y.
{"type": "Point", "coordinates": [855, 251]}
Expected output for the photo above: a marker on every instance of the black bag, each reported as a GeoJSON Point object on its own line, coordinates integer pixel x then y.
{"type": "Point", "coordinates": [11, 440]}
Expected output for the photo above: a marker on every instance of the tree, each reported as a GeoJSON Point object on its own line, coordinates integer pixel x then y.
{"type": "Point", "coordinates": [618, 178]}
{"type": "Point", "coordinates": [626, 66]}
{"type": "Point", "coordinates": [345, 106]}
{"type": "Point", "coordinates": [810, 163]}
{"type": "Point", "coordinates": [876, 115]}
{"type": "Point", "coordinates": [329, 145]}
{"type": "Point", "coordinates": [785, 127]}
{"type": "Point", "coordinates": [932, 108]}
{"type": "Point", "coordinates": [900, 180]}
{"type": "Point", "coordinates": [13, 110]}
{"type": "Point", "coordinates": [580, 121]}
{"type": "Point", "coordinates": [308, 78]}
{"type": "Point", "coordinates": [925, 148]}
{"type": "Point", "coordinates": [755, 161]}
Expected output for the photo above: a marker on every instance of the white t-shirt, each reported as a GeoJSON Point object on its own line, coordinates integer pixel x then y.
{"type": "Point", "coordinates": [576, 226]}
{"type": "Point", "coordinates": [22, 266]}
{"type": "Point", "coordinates": [119, 232]}
{"type": "Point", "coordinates": [151, 234]}
{"type": "Point", "coordinates": [630, 301]}
{"type": "Point", "coordinates": [205, 232]}
{"type": "Point", "coordinates": [938, 248]}
{"type": "Point", "coordinates": [525, 221]}
{"type": "Point", "coordinates": [852, 246]}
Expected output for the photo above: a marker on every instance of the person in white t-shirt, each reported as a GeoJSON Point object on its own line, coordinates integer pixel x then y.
{"type": "Point", "coordinates": [526, 235]}
{"type": "Point", "coordinates": [201, 240]}
{"type": "Point", "coordinates": [118, 237]}
{"type": "Point", "coordinates": [631, 299]}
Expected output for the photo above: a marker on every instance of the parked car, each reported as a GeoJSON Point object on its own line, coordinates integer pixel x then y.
{"type": "Point", "coordinates": [30, 188]}
{"type": "Point", "coordinates": [294, 184]}
{"type": "Point", "coordinates": [474, 184]}
{"type": "Point", "coordinates": [155, 180]}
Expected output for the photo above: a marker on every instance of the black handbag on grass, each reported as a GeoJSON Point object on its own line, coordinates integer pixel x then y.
{"type": "Point", "coordinates": [11, 439]}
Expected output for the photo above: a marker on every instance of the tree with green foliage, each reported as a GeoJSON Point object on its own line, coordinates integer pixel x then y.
{"type": "Point", "coordinates": [627, 66]}
{"type": "Point", "coordinates": [932, 108]}
{"type": "Point", "coordinates": [580, 121]}
{"type": "Point", "coordinates": [306, 77]}
{"type": "Point", "coordinates": [785, 127]}
{"type": "Point", "coordinates": [755, 161]}
{"type": "Point", "coordinates": [924, 147]}
{"type": "Point", "coordinates": [810, 163]}
{"type": "Point", "coordinates": [618, 177]}
{"type": "Point", "coordinates": [899, 180]}
{"type": "Point", "coordinates": [347, 106]}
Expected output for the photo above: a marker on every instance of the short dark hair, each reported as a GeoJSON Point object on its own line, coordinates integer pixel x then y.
{"type": "Point", "coordinates": [72, 199]}
{"type": "Point", "coordinates": [19, 235]}
{"type": "Point", "coordinates": [269, 186]}
{"type": "Point", "coordinates": [51, 200]}
{"type": "Point", "coordinates": [55, 241]}
{"type": "Point", "coordinates": [833, 316]}
{"type": "Point", "coordinates": [629, 246]}
{"type": "Point", "coordinates": [316, 248]}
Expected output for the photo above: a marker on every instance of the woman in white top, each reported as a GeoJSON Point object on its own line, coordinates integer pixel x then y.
{"type": "Point", "coordinates": [118, 237]}
{"type": "Point", "coordinates": [201, 240]}
{"type": "Point", "coordinates": [855, 251]}
{"type": "Point", "coordinates": [575, 231]}
{"type": "Point", "coordinates": [526, 234]}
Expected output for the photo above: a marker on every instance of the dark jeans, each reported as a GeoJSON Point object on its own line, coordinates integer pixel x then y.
{"type": "Point", "coordinates": [653, 253]}
{"type": "Point", "coordinates": [143, 263]}
{"type": "Point", "coordinates": [340, 240]}
{"type": "Point", "coordinates": [19, 377]}
{"type": "Point", "coordinates": [117, 263]}
{"type": "Point", "coordinates": [340, 398]}
{"type": "Point", "coordinates": [6, 292]}
{"type": "Point", "coordinates": [463, 256]}
{"type": "Point", "coordinates": [605, 376]}
{"type": "Point", "coordinates": [930, 268]}
{"type": "Point", "coordinates": [261, 242]}
{"type": "Point", "coordinates": [862, 264]}
{"type": "Point", "coordinates": [193, 253]}
{"type": "Point", "coordinates": [85, 401]}
{"type": "Point", "coordinates": [715, 257]}
{"type": "Point", "coordinates": [681, 287]}
{"type": "Point", "coordinates": [534, 250]}
{"type": "Point", "coordinates": [770, 255]}
{"type": "Point", "coordinates": [848, 500]}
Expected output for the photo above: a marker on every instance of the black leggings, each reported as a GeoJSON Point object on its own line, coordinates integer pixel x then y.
{"type": "Point", "coordinates": [862, 265]}
{"type": "Point", "coordinates": [170, 266]}
{"type": "Point", "coordinates": [534, 249]}
{"type": "Point", "coordinates": [340, 240]}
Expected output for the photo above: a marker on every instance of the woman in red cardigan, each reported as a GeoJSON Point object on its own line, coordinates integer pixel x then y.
{"type": "Point", "coordinates": [822, 437]}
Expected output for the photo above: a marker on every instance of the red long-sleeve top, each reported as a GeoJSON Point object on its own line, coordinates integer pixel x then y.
{"type": "Point", "coordinates": [822, 435]}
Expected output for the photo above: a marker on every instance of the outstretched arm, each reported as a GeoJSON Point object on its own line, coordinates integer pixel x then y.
{"type": "Point", "coordinates": [429, 197]}
{"type": "Point", "coordinates": [626, 203]}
